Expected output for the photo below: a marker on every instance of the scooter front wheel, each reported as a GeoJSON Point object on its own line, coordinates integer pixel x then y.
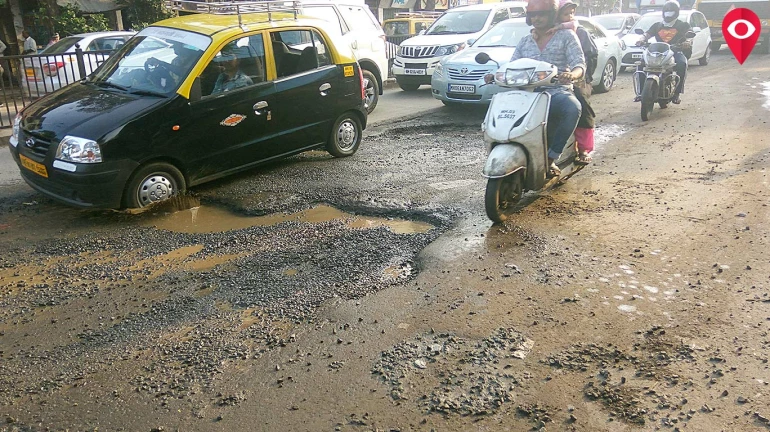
{"type": "Point", "coordinates": [502, 194]}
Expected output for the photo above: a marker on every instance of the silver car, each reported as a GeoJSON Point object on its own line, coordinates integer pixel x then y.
{"type": "Point", "coordinates": [458, 79]}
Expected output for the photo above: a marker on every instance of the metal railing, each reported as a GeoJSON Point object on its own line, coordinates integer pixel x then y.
{"type": "Point", "coordinates": [26, 78]}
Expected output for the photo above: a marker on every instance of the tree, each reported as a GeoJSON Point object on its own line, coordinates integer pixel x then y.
{"type": "Point", "coordinates": [142, 13]}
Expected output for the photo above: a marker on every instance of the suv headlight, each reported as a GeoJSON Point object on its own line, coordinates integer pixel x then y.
{"type": "Point", "coordinates": [15, 133]}
{"type": "Point", "coordinates": [79, 150]}
{"type": "Point", "coordinates": [448, 49]}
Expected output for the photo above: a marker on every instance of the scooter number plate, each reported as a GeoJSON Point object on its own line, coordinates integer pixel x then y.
{"type": "Point", "coordinates": [462, 88]}
{"type": "Point", "coordinates": [414, 71]}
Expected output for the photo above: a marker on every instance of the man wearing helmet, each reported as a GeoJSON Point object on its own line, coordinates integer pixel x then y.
{"type": "Point", "coordinates": [672, 31]}
{"type": "Point", "coordinates": [562, 49]}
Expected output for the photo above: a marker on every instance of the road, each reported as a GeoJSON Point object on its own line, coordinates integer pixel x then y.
{"type": "Point", "coordinates": [371, 293]}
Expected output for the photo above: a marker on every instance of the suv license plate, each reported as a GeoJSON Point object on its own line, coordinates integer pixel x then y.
{"type": "Point", "coordinates": [33, 166]}
{"type": "Point", "coordinates": [414, 71]}
{"type": "Point", "coordinates": [462, 88]}
{"type": "Point", "coordinates": [636, 56]}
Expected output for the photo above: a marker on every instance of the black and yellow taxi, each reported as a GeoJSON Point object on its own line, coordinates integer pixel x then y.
{"type": "Point", "coordinates": [191, 99]}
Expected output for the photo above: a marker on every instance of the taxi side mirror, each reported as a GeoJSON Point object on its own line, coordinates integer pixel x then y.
{"type": "Point", "coordinates": [195, 91]}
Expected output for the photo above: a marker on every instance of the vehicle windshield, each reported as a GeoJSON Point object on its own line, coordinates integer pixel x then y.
{"type": "Point", "coordinates": [396, 28]}
{"type": "Point", "coordinates": [63, 45]}
{"type": "Point", "coordinates": [609, 22]}
{"type": "Point", "coordinates": [646, 21]}
{"type": "Point", "coordinates": [155, 61]}
{"type": "Point", "coordinates": [460, 22]}
{"type": "Point", "coordinates": [503, 35]}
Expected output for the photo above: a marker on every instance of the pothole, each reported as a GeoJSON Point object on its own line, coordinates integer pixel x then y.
{"type": "Point", "coordinates": [207, 219]}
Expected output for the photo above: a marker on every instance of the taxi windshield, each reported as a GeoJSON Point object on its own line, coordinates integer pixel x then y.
{"type": "Point", "coordinates": [154, 62]}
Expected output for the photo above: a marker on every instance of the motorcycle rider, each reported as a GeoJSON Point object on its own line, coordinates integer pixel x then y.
{"type": "Point", "coordinates": [562, 49]}
{"type": "Point", "coordinates": [672, 31]}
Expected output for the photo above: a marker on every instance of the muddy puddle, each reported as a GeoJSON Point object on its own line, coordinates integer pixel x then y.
{"type": "Point", "coordinates": [205, 219]}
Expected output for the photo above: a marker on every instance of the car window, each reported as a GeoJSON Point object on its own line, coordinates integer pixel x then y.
{"type": "Point", "coordinates": [240, 63]}
{"type": "Point", "coordinates": [63, 45]}
{"type": "Point", "coordinates": [298, 51]}
{"type": "Point", "coordinates": [326, 13]}
{"type": "Point", "coordinates": [397, 28]}
{"type": "Point", "coordinates": [460, 22]}
{"type": "Point", "coordinates": [500, 15]}
{"type": "Point", "coordinates": [517, 11]}
{"type": "Point", "coordinates": [420, 26]}
{"type": "Point", "coordinates": [592, 29]}
{"type": "Point", "coordinates": [356, 18]}
{"type": "Point", "coordinates": [700, 21]}
{"type": "Point", "coordinates": [106, 44]}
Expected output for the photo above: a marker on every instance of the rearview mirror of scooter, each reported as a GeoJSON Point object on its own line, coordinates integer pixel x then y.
{"type": "Point", "coordinates": [639, 31]}
{"type": "Point", "coordinates": [482, 58]}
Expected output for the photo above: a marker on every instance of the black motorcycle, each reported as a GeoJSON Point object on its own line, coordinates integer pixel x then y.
{"type": "Point", "coordinates": [657, 79]}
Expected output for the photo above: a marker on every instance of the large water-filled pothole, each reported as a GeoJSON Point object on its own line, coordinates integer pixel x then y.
{"type": "Point", "coordinates": [207, 219]}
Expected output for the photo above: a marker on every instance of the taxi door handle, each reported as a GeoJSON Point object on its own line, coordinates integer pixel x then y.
{"type": "Point", "coordinates": [259, 106]}
{"type": "Point", "coordinates": [323, 88]}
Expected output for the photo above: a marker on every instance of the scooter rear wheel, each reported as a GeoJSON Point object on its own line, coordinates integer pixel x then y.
{"type": "Point", "coordinates": [501, 196]}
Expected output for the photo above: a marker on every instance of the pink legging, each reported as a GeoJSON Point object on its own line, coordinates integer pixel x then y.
{"type": "Point", "coordinates": [585, 139]}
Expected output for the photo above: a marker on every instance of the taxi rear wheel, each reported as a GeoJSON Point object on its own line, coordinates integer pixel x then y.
{"type": "Point", "coordinates": [153, 183]}
{"type": "Point", "coordinates": [371, 91]}
{"type": "Point", "coordinates": [345, 136]}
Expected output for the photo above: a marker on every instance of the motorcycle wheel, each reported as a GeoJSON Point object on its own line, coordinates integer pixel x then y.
{"type": "Point", "coordinates": [649, 94]}
{"type": "Point", "coordinates": [663, 104]}
{"type": "Point", "coordinates": [501, 196]}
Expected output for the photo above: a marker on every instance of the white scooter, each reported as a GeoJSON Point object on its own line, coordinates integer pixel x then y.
{"type": "Point", "coordinates": [515, 136]}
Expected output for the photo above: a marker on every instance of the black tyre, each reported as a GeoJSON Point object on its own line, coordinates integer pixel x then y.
{"type": "Point", "coordinates": [371, 91]}
{"type": "Point", "coordinates": [345, 136]}
{"type": "Point", "coordinates": [408, 87]}
{"type": "Point", "coordinates": [151, 183]}
{"type": "Point", "coordinates": [663, 104]}
{"type": "Point", "coordinates": [715, 46]}
{"type": "Point", "coordinates": [501, 195]}
{"type": "Point", "coordinates": [649, 95]}
{"type": "Point", "coordinates": [703, 61]}
{"type": "Point", "coordinates": [609, 75]}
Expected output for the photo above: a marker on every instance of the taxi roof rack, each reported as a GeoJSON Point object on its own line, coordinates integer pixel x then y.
{"type": "Point", "coordinates": [235, 7]}
{"type": "Point", "coordinates": [418, 14]}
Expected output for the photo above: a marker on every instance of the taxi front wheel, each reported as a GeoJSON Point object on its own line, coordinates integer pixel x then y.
{"type": "Point", "coordinates": [345, 136]}
{"type": "Point", "coordinates": [153, 183]}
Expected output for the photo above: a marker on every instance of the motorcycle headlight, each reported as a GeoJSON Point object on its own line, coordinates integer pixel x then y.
{"type": "Point", "coordinates": [515, 77]}
{"type": "Point", "coordinates": [654, 60]}
{"type": "Point", "coordinates": [79, 150]}
{"type": "Point", "coordinates": [448, 49]}
{"type": "Point", "coordinates": [15, 133]}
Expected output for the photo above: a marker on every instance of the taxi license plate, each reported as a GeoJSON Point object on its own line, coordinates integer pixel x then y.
{"type": "Point", "coordinates": [414, 71]}
{"type": "Point", "coordinates": [636, 56]}
{"type": "Point", "coordinates": [33, 166]}
{"type": "Point", "coordinates": [462, 88]}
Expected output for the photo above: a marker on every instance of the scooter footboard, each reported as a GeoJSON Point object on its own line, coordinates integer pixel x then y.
{"type": "Point", "coordinates": [505, 159]}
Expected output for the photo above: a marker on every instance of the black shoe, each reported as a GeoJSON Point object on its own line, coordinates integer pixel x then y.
{"type": "Point", "coordinates": [638, 99]}
{"type": "Point", "coordinates": [676, 100]}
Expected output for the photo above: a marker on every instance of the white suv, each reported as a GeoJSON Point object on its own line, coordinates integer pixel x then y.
{"type": "Point", "coordinates": [458, 27]}
{"type": "Point", "coordinates": [363, 33]}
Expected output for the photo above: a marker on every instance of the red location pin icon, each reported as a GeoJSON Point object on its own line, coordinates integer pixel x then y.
{"type": "Point", "coordinates": [741, 29]}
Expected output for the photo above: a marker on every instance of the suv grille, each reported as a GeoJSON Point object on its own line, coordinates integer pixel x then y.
{"type": "Point", "coordinates": [468, 75]}
{"type": "Point", "coordinates": [417, 51]}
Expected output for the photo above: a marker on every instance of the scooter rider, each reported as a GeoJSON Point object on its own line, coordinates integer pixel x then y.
{"type": "Point", "coordinates": [562, 49]}
{"type": "Point", "coordinates": [672, 31]}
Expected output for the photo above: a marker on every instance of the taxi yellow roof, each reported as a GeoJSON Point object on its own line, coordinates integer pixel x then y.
{"type": "Point", "coordinates": [211, 24]}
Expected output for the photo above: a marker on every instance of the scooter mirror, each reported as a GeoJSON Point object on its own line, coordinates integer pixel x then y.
{"type": "Point", "coordinates": [639, 31]}
{"type": "Point", "coordinates": [690, 34]}
{"type": "Point", "coordinates": [482, 58]}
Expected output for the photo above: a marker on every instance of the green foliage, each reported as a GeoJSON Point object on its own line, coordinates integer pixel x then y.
{"type": "Point", "coordinates": [142, 13]}
{"type": "Point", "coordinates": [69, 21]}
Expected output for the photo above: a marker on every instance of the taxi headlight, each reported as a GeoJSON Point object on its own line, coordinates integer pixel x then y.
{"type": "Point", "coordinates": [78, 150]}
{"type": "Point", "coordinates": [15, 133]}
{"type": "Point", "coordinates": [515, 77]}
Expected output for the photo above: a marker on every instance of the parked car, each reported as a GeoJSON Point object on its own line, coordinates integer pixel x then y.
{"type": "Point", "coordinates": [457, 28]}
{"type": "Point", "coordinates": [458, 78]}
{"type": "Point", "coordinates": [360, 29]}
{"type": "Point", "coordinates": [219, 94]}
{"type": "Point", "coordinates": [701, 46]}
{"type": "Point", "coordinates": [57, 66]}
{"type": "Point", "coordinates": [409, 23]}
{"type": "Point", "coordinates": [617, 24]}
